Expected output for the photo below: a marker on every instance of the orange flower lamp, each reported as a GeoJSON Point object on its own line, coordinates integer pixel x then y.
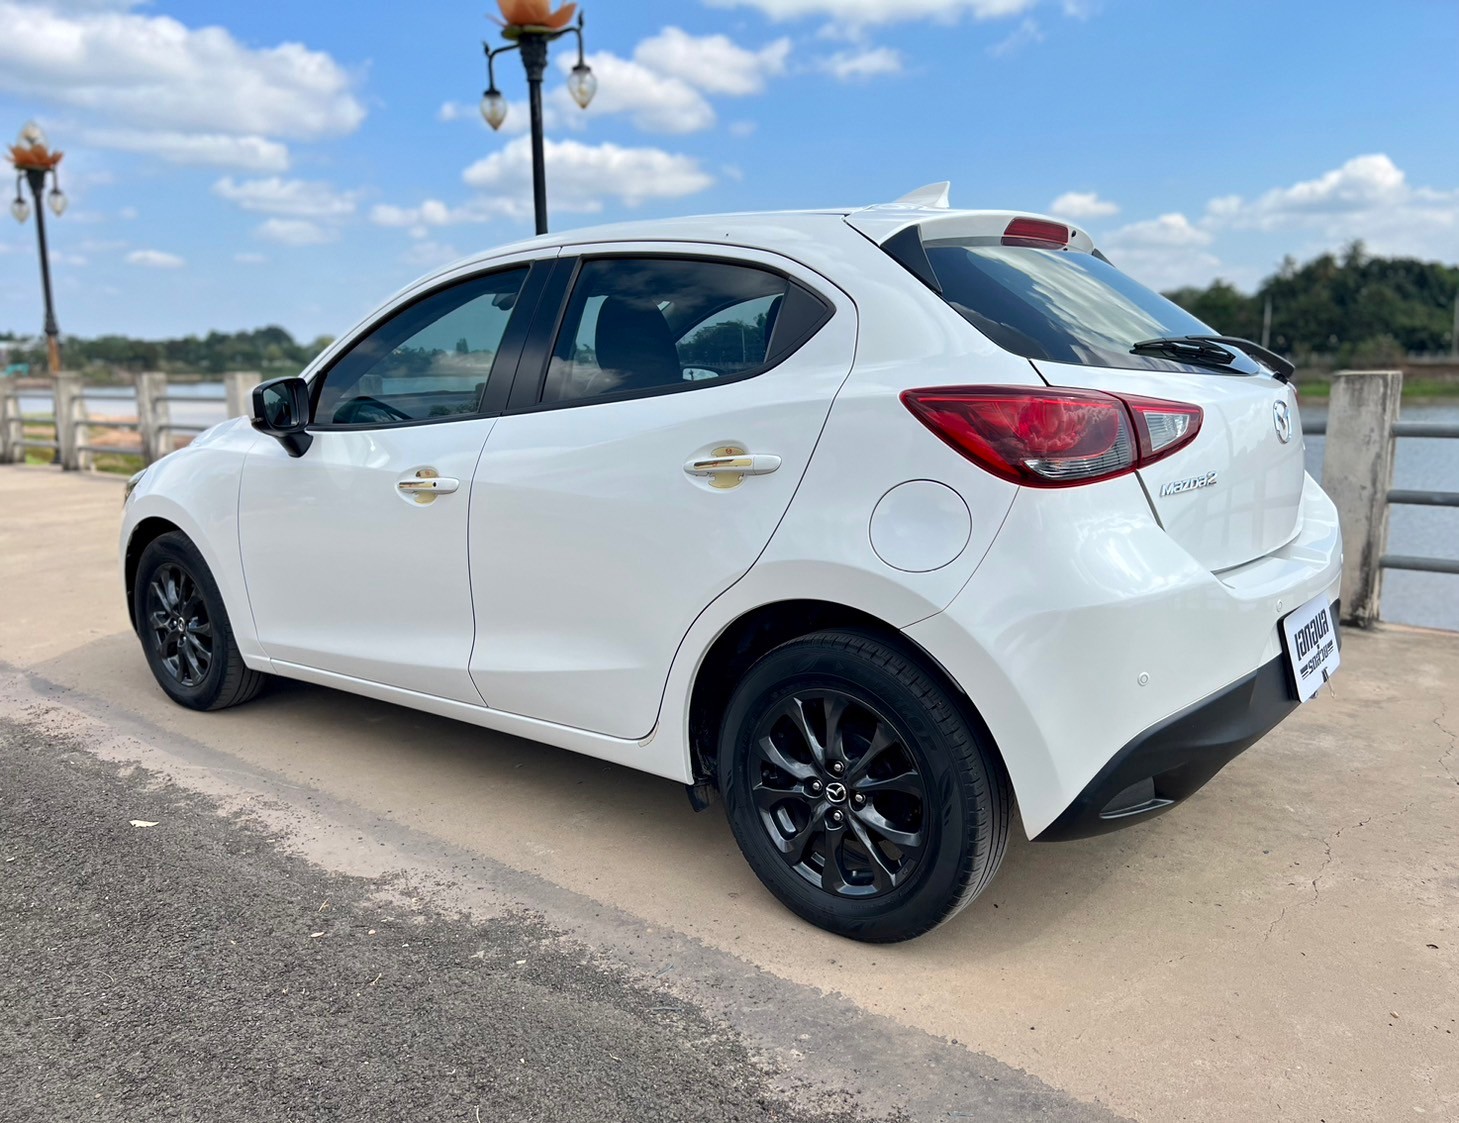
{"type": "Point", "coordinates": [535, 15]}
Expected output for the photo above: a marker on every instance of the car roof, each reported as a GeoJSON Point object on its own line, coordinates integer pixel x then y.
{"type": "Point", "coordinates": [927, 207]}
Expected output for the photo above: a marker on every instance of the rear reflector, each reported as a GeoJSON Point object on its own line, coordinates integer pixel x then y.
{"type": "Point", "coordinates": [1053, 438]}
{"type": "Point", "coordinates": [1035, 232]}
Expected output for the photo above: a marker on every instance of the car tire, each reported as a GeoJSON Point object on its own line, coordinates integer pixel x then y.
{"type": "Point", "coordinates": [919, 784]}
{"type": "Point", "coordinates": [179, 616]}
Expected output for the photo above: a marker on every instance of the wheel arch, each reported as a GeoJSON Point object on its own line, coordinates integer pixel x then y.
{"type": "Point", "coordinates": [147, 531]}
{"type": "Point", "coordinates": [759, 630]}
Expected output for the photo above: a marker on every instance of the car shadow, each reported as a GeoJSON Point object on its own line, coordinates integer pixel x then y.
{"type": "Point", "coordinates": [474, 787]}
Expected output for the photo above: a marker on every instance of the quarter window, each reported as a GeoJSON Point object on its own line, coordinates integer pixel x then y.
{"type": "Point", "coordinates": [430, 361]}
{"type": "Point", "coordinates": [635, 325]}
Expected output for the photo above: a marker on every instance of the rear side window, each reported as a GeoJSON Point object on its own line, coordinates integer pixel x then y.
{"type": "Point", "coordinates": [1059, 305]}
{"type": "Point", "coordinates": [645, 325]}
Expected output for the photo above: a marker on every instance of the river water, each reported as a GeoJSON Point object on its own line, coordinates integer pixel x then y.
{"type": "Point", "coordinates": [1427, 599]}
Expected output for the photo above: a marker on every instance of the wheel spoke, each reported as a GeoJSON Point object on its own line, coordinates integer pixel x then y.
{"type": "Point", "coordinates": [771, 754]}
{"type": "Point", "coordinates": [883, 739]}
{"type": "Point", "coordinates": [795, 710]}
{"type": "Point", "coordinates": [169, 587]}
{"type": "Point", "coordinates": [908, 842]}
{"type": "Point", "coordinates": [882, 875]}
{"type": "Point", "coordinates": [835, 707]}
{"type": "Point", "coordinates": [908, 783]}
{"type": "Point", "coordinates": [798, 845]}
{"type": "Point", "coordinates": [770, 796]}
{"type": "Point", "coordinates": [186, 651]}
{"type": "Point", "coordinates": [833, 878]}
{"type": "Point", "coordinates": [198, 627]}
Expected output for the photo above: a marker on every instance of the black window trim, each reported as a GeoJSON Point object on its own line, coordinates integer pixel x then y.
{"type": "Point", "coordinates": [509, 354]}
{"type": "Point", "coordinates": [531, 377]}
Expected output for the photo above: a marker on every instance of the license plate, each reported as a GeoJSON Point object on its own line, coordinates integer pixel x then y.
{"type": "Point", "coordinates": [1310, 637]}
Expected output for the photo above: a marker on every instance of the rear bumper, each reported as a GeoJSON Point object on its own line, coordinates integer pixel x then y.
{"type": "Point", "coordinates": [1173, 759]}
{"type": "Point", "coordinates": [1103, 658]}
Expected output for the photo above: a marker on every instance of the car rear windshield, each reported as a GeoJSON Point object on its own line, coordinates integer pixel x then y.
{"type": "Point", "coordinates": [1060, 305]}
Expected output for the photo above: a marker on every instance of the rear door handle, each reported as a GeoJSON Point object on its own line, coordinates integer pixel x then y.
{"type": "Point", "coordinates": [728, 467]}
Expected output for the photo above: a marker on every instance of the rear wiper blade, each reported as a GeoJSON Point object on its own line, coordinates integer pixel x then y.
{"type": "Point", "coordinates": [1282, 368]}
{"type": "Point", "coordinates": [1187, 350]}
{"type": "Point", "coordinates": [1214, 350]}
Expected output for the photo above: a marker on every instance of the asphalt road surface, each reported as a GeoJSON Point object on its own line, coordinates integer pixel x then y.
{"type": "Point", "coordinates": [190, 970]}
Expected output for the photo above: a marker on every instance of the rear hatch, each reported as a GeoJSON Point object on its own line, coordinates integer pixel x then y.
{"type": "Point", "coordinates": [1233, 493]}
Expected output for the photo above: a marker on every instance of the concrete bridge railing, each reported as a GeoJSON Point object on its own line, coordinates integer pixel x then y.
{"type": "Point", "coordinates": [74, 426]}
{"type": "Point", "coordinates": [1363, 428]}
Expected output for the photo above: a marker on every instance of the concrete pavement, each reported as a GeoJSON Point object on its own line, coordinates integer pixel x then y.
{"type": "Point", "coordinates": [1284, 946]}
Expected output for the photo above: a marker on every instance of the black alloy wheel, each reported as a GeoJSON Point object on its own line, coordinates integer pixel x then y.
{"type": "Point", "coordinates": [861, 788]}
{"type": "Point", "coordinates": [839, 795]}
{"type": "Point", "coordinates": [177, 619]}
{"type": "Point", "coordinates": [179, 616]}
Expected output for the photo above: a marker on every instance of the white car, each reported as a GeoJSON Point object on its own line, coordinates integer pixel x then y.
{"type": "Point", "coordinates": [874, 521]}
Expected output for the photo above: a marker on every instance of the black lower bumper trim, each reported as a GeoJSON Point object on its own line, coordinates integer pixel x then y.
{"type": "Point", "coordinates": [1174, 759]}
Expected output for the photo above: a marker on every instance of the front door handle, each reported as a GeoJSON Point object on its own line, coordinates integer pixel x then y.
{"type": "Point", "coordinates": [426, 485]}
{"type": "Point", "coordinates": [727, 467]}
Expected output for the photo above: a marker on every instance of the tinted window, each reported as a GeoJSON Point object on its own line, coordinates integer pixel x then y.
{"type": "Point", "coordinates": [1058, 305]}
{"type": "Point", "coordinates": [635, 325]}
{"type": "Point", "coordinates": [431, 360]}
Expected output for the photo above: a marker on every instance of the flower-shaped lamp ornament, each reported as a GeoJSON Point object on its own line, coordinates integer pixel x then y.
{"type": "Point", "coordinates": [33, 160]}
{"type": "Point", "coordinates": [534, 15]}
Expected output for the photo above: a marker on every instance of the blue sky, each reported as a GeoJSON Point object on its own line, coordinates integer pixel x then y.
{"type": "Point", "coordinates": [242, 163]}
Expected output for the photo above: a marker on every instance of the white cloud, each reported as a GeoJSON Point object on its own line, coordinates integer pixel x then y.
{"type": "Point", "coordinates": [655, 102]}
{"type": "Point", "coordinates": [1082, 204]}
{"type": "Point", "coordinates": [298, 198]}
{"type": "Point", "coordinates": [862, 12]}
{"type": "Point", "coordinates": [155, 259]}
{"type": "Point", "coordinates": [861, 64]}
{"type": "Point", "coordinates": [1167, 230]}
{"type": "Point", "coordinates": [1368, 198]}
{"type": "Point", "coordinates": [432, 212]}
{"type": "Point", "coordinates": [247, 258]}
{"type": "Point", "coordinates": [1164, 252]}
{"type": "Point", "coordinates": [712, 63]}
{"type": "Point", "coordinates": [219, 150]}
{"type": "Point", "coordinates": [295, 232]}
{"type": "Point", "coordinates": [743, 128]}
{"type": "Point", "coordinates": [583, 176]}
{"type": "Point", "coordinates": [189, 95]}
{"type": "Point", "coordinates": [428, 255]}
{"type": "Point", "coordinates": [1027, 33]}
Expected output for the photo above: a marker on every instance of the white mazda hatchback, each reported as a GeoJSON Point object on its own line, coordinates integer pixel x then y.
{"type": "Point", "coordinates": [874, 521]}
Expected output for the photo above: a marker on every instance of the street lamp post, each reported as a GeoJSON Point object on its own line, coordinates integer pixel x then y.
{"type": "Point", "coordinates": [530, 26]}
{"type": "Point", "coordinates": [33, 163]}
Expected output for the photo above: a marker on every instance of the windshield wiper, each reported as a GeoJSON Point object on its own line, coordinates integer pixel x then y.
{"type": "Point", "coordinates": [1214, 351]}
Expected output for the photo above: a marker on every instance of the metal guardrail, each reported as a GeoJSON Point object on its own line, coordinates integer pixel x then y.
{"type": "Point", "coordinates": [1407, 497]}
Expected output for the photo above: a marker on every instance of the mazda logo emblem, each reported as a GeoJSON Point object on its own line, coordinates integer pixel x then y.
{"type": "Point", "coordinates": [1282, 417]}
{"type": "Point", "coordinates": [836, 791]}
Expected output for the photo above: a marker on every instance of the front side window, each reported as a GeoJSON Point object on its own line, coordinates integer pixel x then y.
{"type": "Point", "coordinates": [643, 324]}
{"type": "Point", "coordinates": [428, 362]}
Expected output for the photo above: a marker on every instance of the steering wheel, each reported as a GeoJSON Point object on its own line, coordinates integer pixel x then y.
{"type": "Point", "coordinates": [365, 410]}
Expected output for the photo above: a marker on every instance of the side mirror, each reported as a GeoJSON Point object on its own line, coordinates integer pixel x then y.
{"type": "Point", "coordinates": [281, 409]}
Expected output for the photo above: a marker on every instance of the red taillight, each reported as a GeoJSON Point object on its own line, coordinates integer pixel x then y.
{"type": "Point", "coordinates": [1052, 437]}
{"type": "Point", "coordinates": [1035, 232]}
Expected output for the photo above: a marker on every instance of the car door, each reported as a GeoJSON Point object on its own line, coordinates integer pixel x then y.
{"type": "Point", "coordinates": [355, 553]}
{"type": "Point", "coordinates": [654, 441]}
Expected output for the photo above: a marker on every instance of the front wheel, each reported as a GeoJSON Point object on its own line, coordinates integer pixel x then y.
{"type": "Point", "coordinates": [857, 788]}
{"type": "Point", "coordinates": [184, 629]}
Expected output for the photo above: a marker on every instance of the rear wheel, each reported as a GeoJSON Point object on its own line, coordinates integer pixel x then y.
{"type": "Point", "coordinates": [184, 629]}
{"type": "Point", "coordinates": [859, 792]}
